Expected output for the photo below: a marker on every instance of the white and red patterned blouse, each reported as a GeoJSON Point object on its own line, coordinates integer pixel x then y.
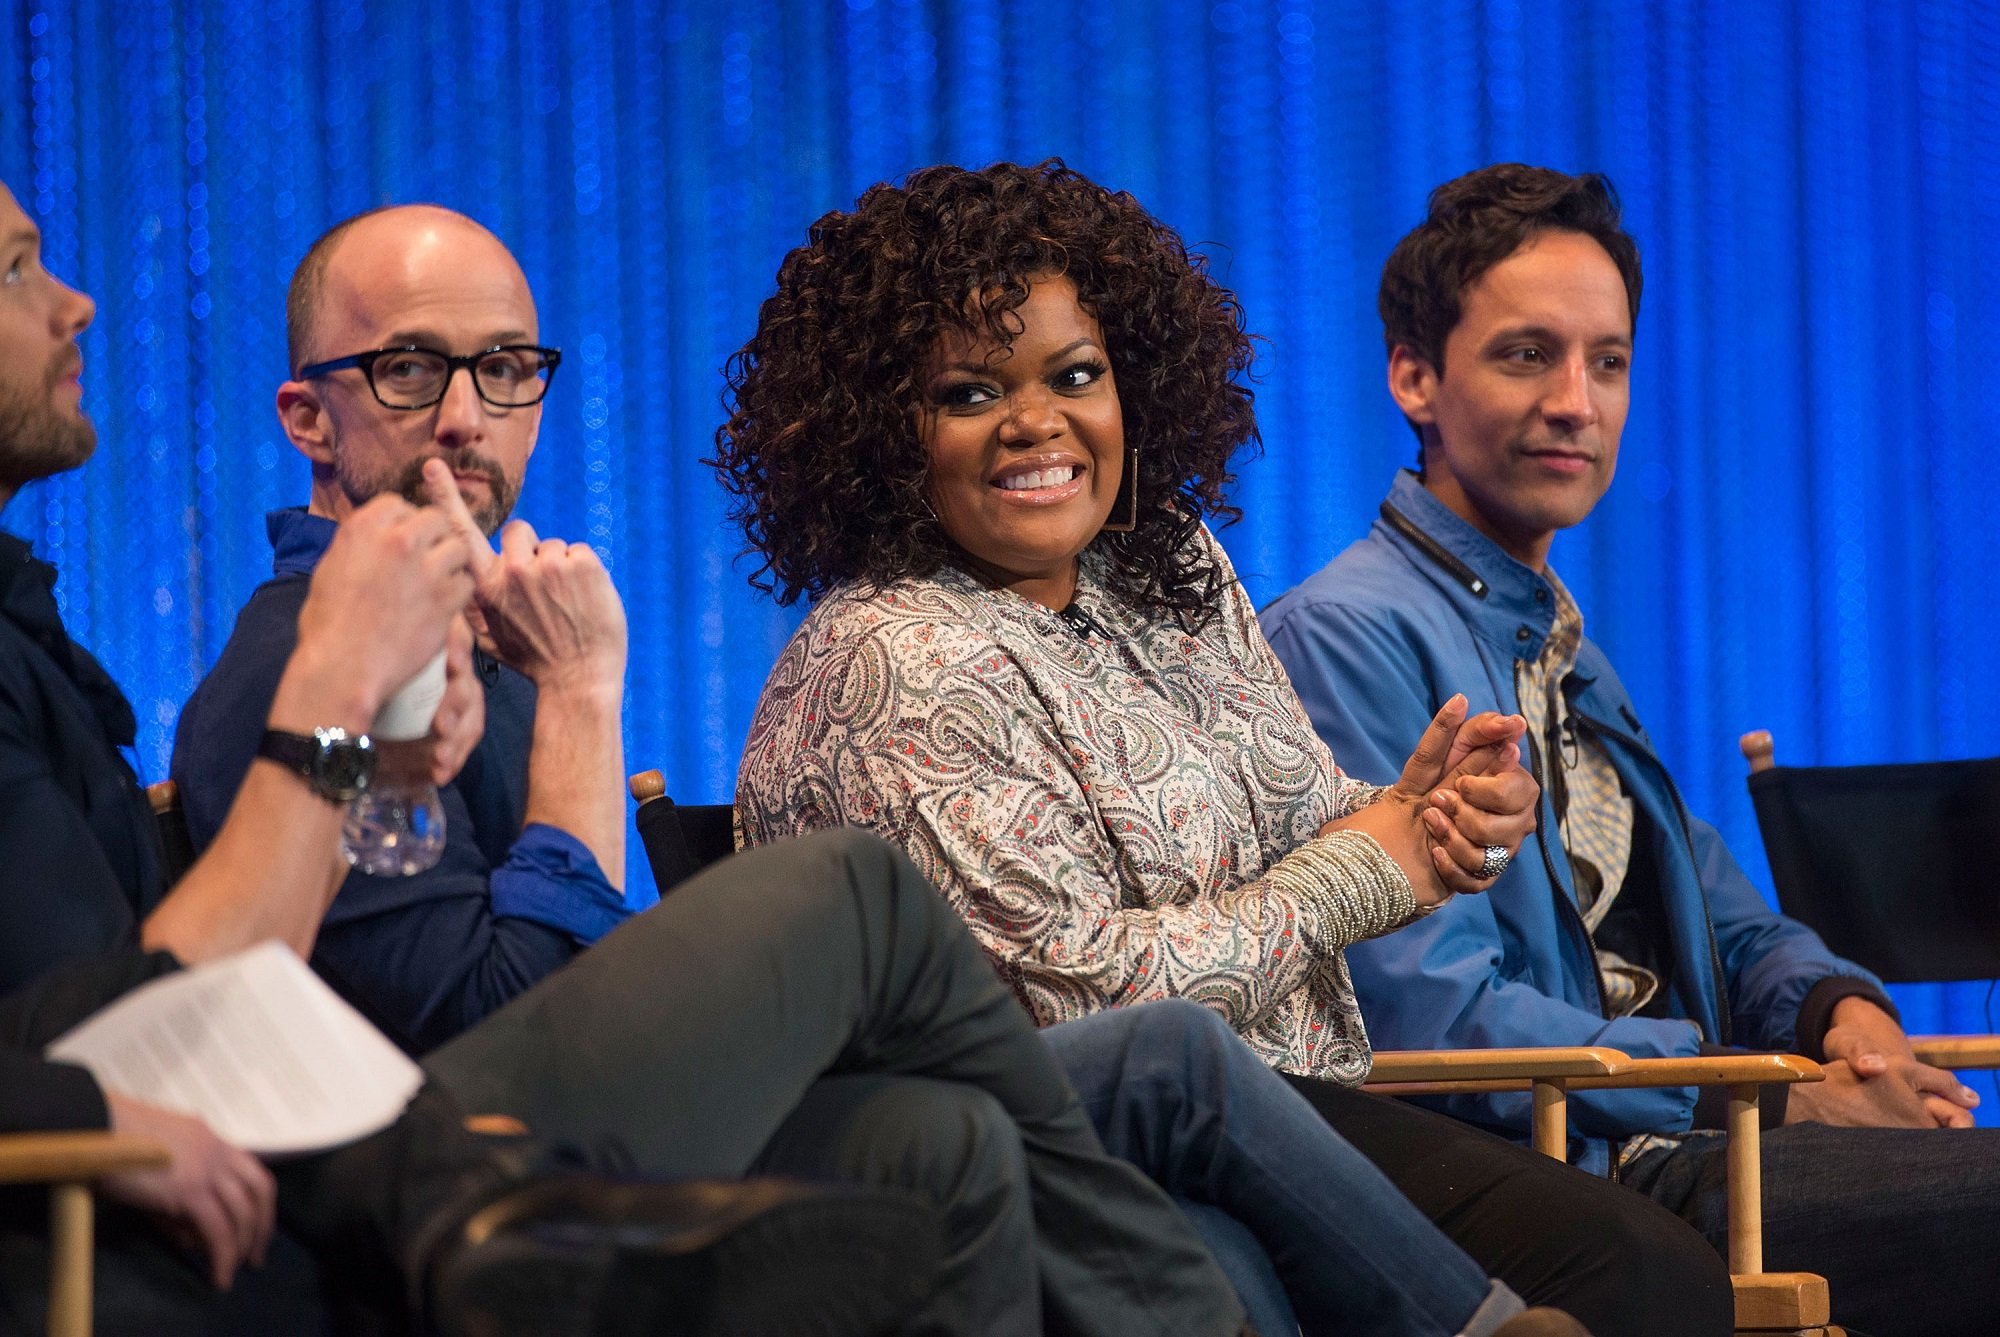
{"type": "Point", "coordinates": [1120, 810]}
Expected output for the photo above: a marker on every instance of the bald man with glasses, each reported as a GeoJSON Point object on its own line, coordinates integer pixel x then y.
{"type": "Point", "coordinates": [384, 314]}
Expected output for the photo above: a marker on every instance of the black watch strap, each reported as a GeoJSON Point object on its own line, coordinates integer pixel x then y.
{"type": "Point", "coordinates": [337, 764]}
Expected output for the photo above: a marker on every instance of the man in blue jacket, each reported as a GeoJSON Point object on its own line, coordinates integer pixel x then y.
{"type": "Point", "coordinates": [1509, 317]}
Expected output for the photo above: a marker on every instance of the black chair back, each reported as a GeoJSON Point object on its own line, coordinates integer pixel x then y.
{"type": "Point", "coordinates": [1896, 866]}
{"type": "Point", "coordinates": [680, 839]}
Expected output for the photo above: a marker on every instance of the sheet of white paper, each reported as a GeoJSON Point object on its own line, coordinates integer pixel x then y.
{"type": "Point", "coordinates": [255, 1043]}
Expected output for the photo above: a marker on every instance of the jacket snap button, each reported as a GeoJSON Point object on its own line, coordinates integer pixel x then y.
{"type": "Point", "coordinates": [1523, 634]}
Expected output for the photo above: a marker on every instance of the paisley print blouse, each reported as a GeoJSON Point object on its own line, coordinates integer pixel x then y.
{"type": "Point", "coordinates": [1120, 810]}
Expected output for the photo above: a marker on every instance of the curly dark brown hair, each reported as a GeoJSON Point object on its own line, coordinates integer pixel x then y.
{"type": "Point", "coordinates": [821, 451]}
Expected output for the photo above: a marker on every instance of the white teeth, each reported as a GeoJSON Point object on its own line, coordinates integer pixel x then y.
{"type": "Point", "coordinates": [1038, 479]}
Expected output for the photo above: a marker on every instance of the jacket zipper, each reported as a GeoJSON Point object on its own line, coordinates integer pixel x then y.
{"type": "Point", "coordinates": [1718, 996]}
{"type": "Point", "coordinates": [1572, 916]}
{"type": "Point", "coordinates": [1471, 581]}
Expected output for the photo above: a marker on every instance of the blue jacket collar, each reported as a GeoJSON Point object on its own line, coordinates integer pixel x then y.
{"type": "Point", "coordinates": [1502, 599]}
{"type": "Point", "coordinates": [298, 539]}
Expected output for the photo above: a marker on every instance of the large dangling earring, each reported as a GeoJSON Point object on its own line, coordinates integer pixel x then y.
{"type": "Point", "coordinates": [1124, 517]}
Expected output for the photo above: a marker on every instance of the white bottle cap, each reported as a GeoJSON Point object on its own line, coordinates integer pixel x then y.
{"type": "Point", "coordinates": [407, 715]}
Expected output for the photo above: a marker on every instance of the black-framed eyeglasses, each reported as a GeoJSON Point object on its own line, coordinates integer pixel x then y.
{"type": "Point", "coordinates": [509, 376]}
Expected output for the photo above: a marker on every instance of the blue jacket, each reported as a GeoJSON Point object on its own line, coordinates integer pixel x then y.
{"type": "Point", "coordinates": [424, 956]}
{"type": "Point", "coordinates": [1375, 643]}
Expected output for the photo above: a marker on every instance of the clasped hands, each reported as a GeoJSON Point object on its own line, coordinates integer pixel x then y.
{"type": "Point", "coordinates": [1462, 789]}
{"type": "Point", "coordinates": [1875, 1080]}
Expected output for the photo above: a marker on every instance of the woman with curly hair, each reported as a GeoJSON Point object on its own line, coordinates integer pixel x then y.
{"type": "Point", "coordinates": [981, 426]}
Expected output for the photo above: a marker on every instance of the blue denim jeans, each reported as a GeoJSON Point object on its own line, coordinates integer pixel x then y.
{"type": "Point", "coordinates": [1172, 1089]}
{"type": "Point", "coordinates": [1903, 1223]}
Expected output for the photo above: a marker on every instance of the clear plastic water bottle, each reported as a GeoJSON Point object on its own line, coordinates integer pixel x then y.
{"type": "Point", "coordinates": [395, 827]}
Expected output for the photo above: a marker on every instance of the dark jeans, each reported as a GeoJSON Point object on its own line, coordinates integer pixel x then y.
{"type": "Point", "coordinates": [1174, 1090]}
{"type": "Point", "coordinates": [814, 1008]}
{"type": "Point", "coordinates": [1560, 1237]}
{"type": "Point", "coordinates": [1903, 1223]}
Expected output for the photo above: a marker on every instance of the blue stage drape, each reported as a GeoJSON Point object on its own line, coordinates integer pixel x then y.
{"type": "Point", "coordinates": [1798, 538]}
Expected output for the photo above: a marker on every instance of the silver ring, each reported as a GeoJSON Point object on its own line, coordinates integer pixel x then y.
{"type": "Point", "coordinates": [1497, 857]}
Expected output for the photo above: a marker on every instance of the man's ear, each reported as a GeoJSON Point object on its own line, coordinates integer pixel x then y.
{"type": "Point", "coordinates": [1413, 384]}
{"type": "Point", "coordinates": [302, 414]}
{"type": "Point", "coordinates": [535, 436]}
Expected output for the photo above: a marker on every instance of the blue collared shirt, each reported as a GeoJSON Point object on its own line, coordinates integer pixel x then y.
{"type": "Point", "coordinates": [423, 956]}
{"type": "Point", "coordinates": [1375, 643]}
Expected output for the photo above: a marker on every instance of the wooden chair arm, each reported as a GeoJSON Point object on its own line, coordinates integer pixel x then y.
{"type": "Point", "coordinates": [69, 1163]}
{"type": "Point", "coordinates": [1401, 1067]}
{"type": "Point", "coordinates": [1708, 1070]}
{"type": "Point", "coordinates": [1473, 1071]}
{"type": "Point", "coordinates": [42, 1158]}
{"type": "Point", "coordinates": [647, 786]}
{"type": "Point", "coordinates": [1620, 1071]}
{"type": "Point", "coordinates": [1793, 1300]}
{"type": "Point", "coordinates": [1743, 1074]}
{"type": "Point", "coordinates": [1545, 1072]}
{"type": "Point", "coordinates": [1958, 1051]}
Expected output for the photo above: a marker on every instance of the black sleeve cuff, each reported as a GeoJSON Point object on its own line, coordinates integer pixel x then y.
{"type": "Point", "coordinates": [44, 1097]}
{"type": "Point", "coordinates": [1816, 1012]}
{"type": "Point", "coordinates": [1711, 1103]}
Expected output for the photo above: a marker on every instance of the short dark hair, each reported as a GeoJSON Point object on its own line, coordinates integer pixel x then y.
{"type": "Point", "coordinates": [822, 451]}
{"type": "Point", "coordinates": [1474, 222]}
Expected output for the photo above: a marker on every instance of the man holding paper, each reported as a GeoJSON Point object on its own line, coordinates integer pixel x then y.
{"type": "Point", "coordinates": [386, 1222]}
{"type": "Point", "coordinates": [677, 1045]}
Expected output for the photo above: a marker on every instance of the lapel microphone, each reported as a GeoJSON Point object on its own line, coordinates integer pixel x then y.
{"type": "Point", "coordinates": [1082, 623]}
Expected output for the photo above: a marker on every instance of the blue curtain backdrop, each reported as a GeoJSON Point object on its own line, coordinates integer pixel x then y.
{"type": "Point", "coordinates": [1800, 537]}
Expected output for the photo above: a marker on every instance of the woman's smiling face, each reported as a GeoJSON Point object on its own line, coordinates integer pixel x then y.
{"type": "Point", "coordinates": [1026, 443]}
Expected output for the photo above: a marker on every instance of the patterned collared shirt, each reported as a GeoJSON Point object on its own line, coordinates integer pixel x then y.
{"type": "Point", "coordinates": [1121, 810]}
{"type": "Point", "coordinates": [1595, 816]}
{"type": "Point", "coordinates": [1593, 812]}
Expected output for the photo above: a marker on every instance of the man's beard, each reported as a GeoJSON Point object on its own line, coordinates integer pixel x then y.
{"type": "Point", "coordinates": [36, 439]}
{"type": "Point", "coordinates": [408, 483]}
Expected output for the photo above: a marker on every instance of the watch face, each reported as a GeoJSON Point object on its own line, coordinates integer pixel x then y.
{"type": "Point", "coordinates": [344, 766]}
